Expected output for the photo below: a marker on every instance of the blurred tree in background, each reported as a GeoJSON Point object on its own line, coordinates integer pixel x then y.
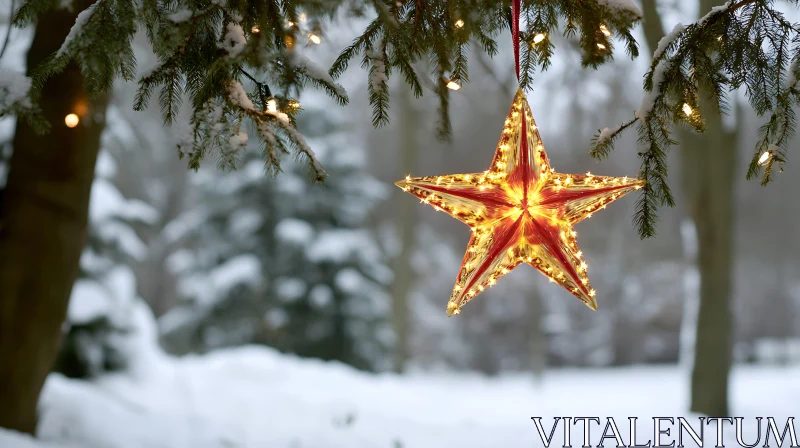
{"type": "Point", "coordinates": [286, 263]}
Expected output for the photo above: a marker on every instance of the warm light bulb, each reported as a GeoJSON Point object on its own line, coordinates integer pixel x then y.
{"type": "Point", "coordinates": [459, 23]}
{"type": "Point", "coordinates": [71, 120]}
{"type": "Point", "coordinates": [605, 30]}
{"type": "Point", "coordinates": [538, 38]}
{"type": "Point", "coordinates": [314, 38]}
{"type": "Point", "coordinates": [302, 17]}
{"type": "Point", "coordinates": [272, 105]}
{"type": "Point", "coordinates": [761, 160]}
{"type": "Point", "coordinates": [687, 109]}
{"type": "Point", "coordinates": [601, 46]}
{"type": "Point", "coordinates": [452, 85]}
{"type": "Point", "coordinates": [255, 29]}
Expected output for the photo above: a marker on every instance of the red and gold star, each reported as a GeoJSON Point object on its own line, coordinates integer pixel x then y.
{"type": "Point", "coordinates": [520, 211]}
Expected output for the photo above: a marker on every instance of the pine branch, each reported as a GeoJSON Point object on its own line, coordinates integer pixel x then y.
{"type": "Point", "coordinates": [745, 43]}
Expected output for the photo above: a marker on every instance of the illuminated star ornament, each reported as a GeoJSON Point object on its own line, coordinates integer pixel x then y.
{"type": "Point", "coordinates": [520, 211]}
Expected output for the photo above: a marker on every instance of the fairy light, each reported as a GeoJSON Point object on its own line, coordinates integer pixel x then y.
{"type": "Point", "coordinates": [765, 156]}
{"type": "Point", "coordinates": [255, 29]}
{"type": "Point", "coordinates": [459, 23]}
{"type": "Point", "coordinates": [601, 46]}
{"type": "Point", "coordinates": [294, 104]}
{"type": "Point", "coordinates": [452, 85]}
{"type": "Point", "coordinates": [687, 109]}
{"type": "Point", "coordinates": [538, 38]}
{"type": "Point", "coordinates": [272, 105]}
{"type": "Point", "coordinates": [314, 38]}
{"type": "Point", "coordinates": [494, 205]}
{"type": "Point", "coordinates": [302, 17]}
{"type": "Point", "coordinates": [72, 120]}
{"type": "Point", "coordinates": [605, 31]}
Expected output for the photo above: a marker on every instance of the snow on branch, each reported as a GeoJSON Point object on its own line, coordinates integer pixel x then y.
{"type": "Point", "coordinates": [622, 6]}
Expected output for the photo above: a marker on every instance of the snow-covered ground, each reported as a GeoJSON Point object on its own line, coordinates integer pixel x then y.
{"type": "Point", "coordinates": [256, 397]}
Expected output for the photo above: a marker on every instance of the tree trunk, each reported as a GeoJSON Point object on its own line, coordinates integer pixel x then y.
{"type": "Point", "coordinates": [407, 227]}
{"type": "Point", "coordinates": [708, 161]}
{"type": "Point", "coordinates": [44, 222]}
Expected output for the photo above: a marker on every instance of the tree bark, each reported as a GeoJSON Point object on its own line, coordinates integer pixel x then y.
{"type": "Point", "coordinates": [407, 227]}
{"type": "Point", "coordinates": [708, 163]}
{"type": "Point", "coordinates": [43, 225]}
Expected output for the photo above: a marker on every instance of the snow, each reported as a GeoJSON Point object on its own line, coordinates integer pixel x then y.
{"type": "Point", "coordinates": [321, 296]}
{"type": "Point", "coordinates": [105, 166]}
{"type": "Point", "coordinates": [234, 41]}
{"type": "Point", "coordinates": [649, 99]}
{"type": "Point", "coordinates": [89, 300]}
{"type": "Point", "coordinates": [666, 40]}
{"type": "Point", "coordinates": [290, 289]}
{"type": "Point", "coordinates": [124, 237]}
{"type": "Point", "coordinates": [350, 280]}
{"type": "Point", "coordinates": [14, 89]}
{"type": "Point", "coordinates": [109, 295]}
{"type": "Point", "coordinates": [183, 225]}
{"type": "Point", "coordinates": [107, 203]}
{"type": "Point", "coordinates": [181, 15]}
{"type": "Point", "coordinates": [244, 222]}
{"type": "Point", "coordinates": [377, 77]}
{"type": "Point", "coordinates": [315, 72]}
{"type": "Point", "coordinates": [622, 5]}
{"type": "Point", "coordinates": [256, 397]}
{"type": "Point", "coordinates": [242, 269]}
{"type": "Point", "coordinates": [279, 115]}
{"type": "Point", "coordinates": [605, 134]}
{"type": "Point", "coordinates": [339, 245]}
{"type": "Point", "coordinates": [294, 231]}
{"type": "Point", "coordinates": [714, 11]}
{"type": "Point", "coordinates": [76, 29]}
{"type": "Point", "coordinates": [238, 96]}
{"type": "Point", "coordinates": [238, 140]}
{"type": "Point", "coordinates": [794, 71]}
{"type": "Point", "coordinates": [13, 439]}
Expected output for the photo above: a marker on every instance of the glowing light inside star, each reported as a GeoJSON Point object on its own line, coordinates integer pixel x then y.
{"type": "Point", "coordinates": [520, 211]}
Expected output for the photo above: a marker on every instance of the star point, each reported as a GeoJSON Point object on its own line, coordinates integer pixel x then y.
{"type": "Point", "coordinates": [520, 211]}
